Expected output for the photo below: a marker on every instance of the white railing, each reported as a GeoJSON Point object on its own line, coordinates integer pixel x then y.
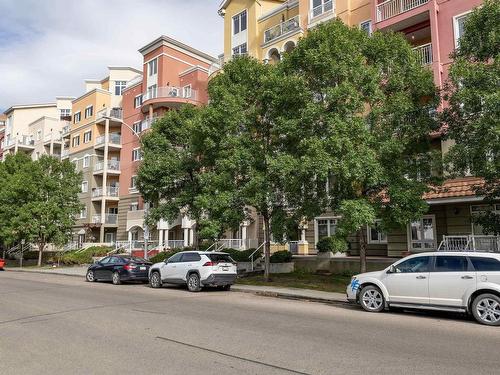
{"type": "Point", "coordinates": [113, 165]}
{"type": "Point", "coordinates": [281, 29]}
{"type": "Point", "coordinates": [113, 138]}
{"type": "Point", "coordinates": [65, 154]}
{"type": "Point", "coordinates": [326, 7]}
{"type": "Point", "coordinates": [391, 8]}
{"type": "Point", "coordinates": [424, 53]}
{"type": "Point", "coordinates": [66, 130]}
{"type": "Point", "coordinates": [109, 192]}
{"type": "Point", "coordinates": [24, 140]}
{"type": "Point", "coordinates": [169, 92]}
{"type": "Point", "coordinates": [52, 137]}
{"type": "Point", "coordinates": [174, 244]}
{"type": "Point", "coordinates": [478, 243]}
{"type": "Point", "coordinates": [111, 218]}
{"type": "Point", "coordinates": [116, 113]}
{"type": "Point", "coordinates": [97, 219]}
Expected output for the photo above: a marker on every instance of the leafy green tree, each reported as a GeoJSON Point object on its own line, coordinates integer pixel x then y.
{"type": "Point", "coordinates": [38, 200]}
{"type": "Point", "coordinates": [369, 122]}
{"type": "Point", "coordinates": [473, 114]}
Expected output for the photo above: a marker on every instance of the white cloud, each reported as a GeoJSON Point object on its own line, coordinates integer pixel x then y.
{"type": "Point", "coordinates": [48, 47]}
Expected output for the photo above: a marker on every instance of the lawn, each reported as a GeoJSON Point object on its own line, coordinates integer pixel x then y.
{"type": "Point", "coordinates": [302, 280]}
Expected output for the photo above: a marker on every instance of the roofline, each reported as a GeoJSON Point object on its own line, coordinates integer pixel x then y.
{"type": "Point", "coordinates": [91, 92]}
{"type": "Point", "coordinates": [124, 68]}
{"type": "Point", "coordinates": [193, 69]}
{"type": "Point", "coordinates": [43, 118]}
{"type": "Point", "coordinates": [165, 40]}
{"type": "Point", "coordinates": [454, 200]}
{"type": "Point", "coordinates": [65, 97]}
{"type": "Point", "coordinates": [24, 106]}
{"type": "Point", "coordinates": [290, 4]}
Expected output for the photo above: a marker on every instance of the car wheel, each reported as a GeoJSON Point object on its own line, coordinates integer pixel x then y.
{"type": "Point", "coordinates": [90, 277]}
{"type": "Point", "coordinates": [486, 309]}
{"type": "Point", "coordinates": [226, 288]}
{"type": "Point", "coordinates": [116, 278]}
{"type": "Point", "coordinates": [371, 299]}
{"type": "Point", "coordinates": [193, 283]}
{"type": "Point", "coordinates": [155, 280]}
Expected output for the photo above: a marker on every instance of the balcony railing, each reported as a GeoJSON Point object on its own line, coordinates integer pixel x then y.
{"type": "Point", "coordinates": [113, 165]}
{"type": "Point", "coordinates": [478, 243]}
{"type": "Point", "coordinates": [116, 113]}
{"type": "Point", "coordinates": [64, 154]}
{"type": "Point", "coordinates": [283, 28]}
{"type": "Point", "coordinates": [424, 53]}
{"type": "Point", "coordinates": [326, 7]}
{"type": "Point", "coordinates": [108, 192]}
{"type": "Point", "coordinates": [66, 130]}
{"type": "Point", "coordinates": [391, 8]}
{"type": "Point", "coordinates": [169, 92]}
{"type": "Point", "coordinates": [111, 218]}
{"type": "Point", "coordinates": [24, 140]}
{"type": "Point", "coordinates": [113, 138]}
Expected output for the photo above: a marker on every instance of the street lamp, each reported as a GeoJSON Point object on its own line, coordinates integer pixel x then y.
{"type": "Point", "coordinates": [146, 204]}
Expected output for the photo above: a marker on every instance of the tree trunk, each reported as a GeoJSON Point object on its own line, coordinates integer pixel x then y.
{"type": "Point", "coordinates": [362, 250]}
{"type": "Point", "coordinates": [41, 246]}
{"type": "Point", "coordinates": [267, 246]}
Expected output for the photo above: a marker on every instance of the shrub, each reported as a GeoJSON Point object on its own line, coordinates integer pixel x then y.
{"type": "Point", "coordinates": [161, 256]}
{"type": "Point", "coordinates": [333, 244]}
{"type": "Point", "coordinates": [281, 257]}
{"type": "Point", "coordinates": [242, 255]}
{"type": "Point", "coordinates": [84, 256]}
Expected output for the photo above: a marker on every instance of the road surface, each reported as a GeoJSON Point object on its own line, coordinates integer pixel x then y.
{"type": "Point", "coordinates": [52, 324]}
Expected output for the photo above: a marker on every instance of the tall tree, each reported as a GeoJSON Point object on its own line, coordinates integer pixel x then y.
{"type": "Point", "coordinates": [38, 200]}
{"type": "Point", "coordinates": [473, 114]}
{"type": "Point", "coordinates": [370, 122]}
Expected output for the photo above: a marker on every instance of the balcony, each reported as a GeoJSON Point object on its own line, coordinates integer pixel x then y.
{"type": "Point", "coordinates": [114, 140]}
{"type": "Point", "coordinates": [108, 219]}
{"type": "Point", "coordinates": [424, 53]}
{"type": "Point", "coordinates": [66, 130]}
{"type": "Point", "coordinates": [23, 142]}
{"type": "Point", "coordinates": [65, 154]}
{"type": "Point", "coordinates": [52, 138]}
{"type": "Point", "coordinates": [109, 192]}
{"type": "Point", "coordinates": [477, 243]}
{"type": "Point", "coordinates": [392, 8]}
{"type": "Point", "coordinates": [113, 167]}
{"type": "Point", "coordinates": [322, 11]}
{"type": "Point", "coordinates": [286, 27]}
{"type": "Point", "coordinates": [170, 95]}
{"type": "Point", "coordinates": [111, 114]}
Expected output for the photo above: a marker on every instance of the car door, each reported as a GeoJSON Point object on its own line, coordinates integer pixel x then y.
{"type": "Point", "coordinates": [99, 271]}
{"type": "Point", "coordinates": [109, 267]}
{"type": "Point", "coordinates": [487, 269]}
{"type": "Point", "coordinates": [408, 281]}
{"type": "Point", "coordinates": [188, 262]}
{"type": "Point", "coordinates": [169, 269]}
{"type": "Point", "coordinates": [451, 279]}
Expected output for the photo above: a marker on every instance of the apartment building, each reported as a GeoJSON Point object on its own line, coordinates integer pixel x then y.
{"type": "Point", "coordinates": [266, 29]}
{"type": "Point", "coordinates": [173, 74]}
{"type": "Point", "coordinates": [92, 141]}
{"type": "Point", "coordinates": [3, 119]}
{"type": "Point", "coordinates": [35, 129]}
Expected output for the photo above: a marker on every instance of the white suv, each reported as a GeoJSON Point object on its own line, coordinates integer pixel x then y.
{"type": "Point", "coordinates": [451, 281]}
{"type": "Point", "coordinates": [196, 269]}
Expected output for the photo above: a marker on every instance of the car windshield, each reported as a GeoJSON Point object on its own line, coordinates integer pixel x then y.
{"type": "Point", "coordinates": [220, 258]}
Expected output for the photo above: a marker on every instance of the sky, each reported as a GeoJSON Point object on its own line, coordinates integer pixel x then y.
{"type": "Point", "coordinates": [49, 47]}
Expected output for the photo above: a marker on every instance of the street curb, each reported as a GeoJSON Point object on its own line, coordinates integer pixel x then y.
{"type": "Point", "coordinates": [286, 295]}
{"type": "Point", "coordinates": [44, 272]}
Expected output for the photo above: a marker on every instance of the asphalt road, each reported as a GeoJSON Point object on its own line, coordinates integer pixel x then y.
{"type": "Point", "coordinates": [51, 324]}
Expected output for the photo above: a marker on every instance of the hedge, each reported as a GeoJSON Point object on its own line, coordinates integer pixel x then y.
{"type": "Point", "coordinates": [281, 257]}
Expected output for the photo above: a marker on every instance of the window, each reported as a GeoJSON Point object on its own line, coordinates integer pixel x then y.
{"type": "Point", "coordinates": [326, 227]}
{"type": "Point", "coordinates": [136, 127]}
{"type": "Point", "coordinates": [220, 258]}
{"type": "Point", "coordinates": [152, 92]}
{"type": "Point", "coordinates": [85, 186]}
{"type": "Point", "coordinates": [191, 257]}
{"type": "Point", "coordinates": [459, 27]}
{"type": "Point", "coordinates": [366, 26]}
{"type": "Point", "coordinates": [376, 235]}
{"type": "Point", "coordinates": [86, 161]}
{"type": "Point", "coordinates": [87, 136]}
{"type": "Point", "coordinates": [485, 264]}
{"type": "Point", "coordinates": [422, 234]}
{"type": "Point", "coordinates": [76, 141]}
{"type": "Point", "coordinates": [240, 50]}
{"type": "Point", "coordinates": [105, 260]}
{"type": "Point", "coordinates": [240, 22]}
{"type": "Point", "coordinates": [89, 111]}
{"type": "Point", "coordinates": [38, 135]}
{"type": "Point", "coordinates": [64, 113]}
{"type": "Point", "coordinates": [187, 91]}
{"type": "Point", "coordinates": [77, 118]}
{"type": "Point", "coordinates": [175, 258]}
{"type": "Point", "coordinates": [418, 264]}
{"type": "Point", "coordinates": [133, 182]}
{"type": "Point", "coordinates": [136, 154]}
{"type": "Point", "coordinates": [451, 264]}
{"type": "Point", "coordinates": [153, 67]}
{"type": "Point", "coordinates": [119, 87]}
{"type": "Point", "coordinates": [83, 213]}
{"type": "Point", "coordinates": [321, 6]}
{"type": "Point", "coordinates": [134, 206]}
{"type": "Point", "coordinates": [137, 101]}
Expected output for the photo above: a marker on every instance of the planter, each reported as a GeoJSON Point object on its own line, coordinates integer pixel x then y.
{"type": "Point", "coordinates": [338, 254]}
{"type": "Point", "coordinates": [325, 255]}
{"type": "Point", "coordinates": [281, 267]}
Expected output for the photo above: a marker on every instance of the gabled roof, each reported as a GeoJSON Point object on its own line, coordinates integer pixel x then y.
{"type": "Point", "coordinates": [170, 42]}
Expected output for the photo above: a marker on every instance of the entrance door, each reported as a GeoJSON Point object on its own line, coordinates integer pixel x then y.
{"type": "Point", "coordinates": [110, 237]}
{"type": "Point", "coordinates": [422, 234]}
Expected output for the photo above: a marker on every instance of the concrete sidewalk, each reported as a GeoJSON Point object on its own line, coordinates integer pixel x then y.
{"type": "Point", "coordinates": [269, 291]}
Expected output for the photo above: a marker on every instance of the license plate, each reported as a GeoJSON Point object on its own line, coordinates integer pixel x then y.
{"type": "Point", "coordinates": [225, 268]}
{"type": "Point", "coordinates": [143, 268]}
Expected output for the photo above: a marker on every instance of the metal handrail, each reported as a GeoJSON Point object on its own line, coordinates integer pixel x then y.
{"type": "Point", "coordinates": [251, 257]}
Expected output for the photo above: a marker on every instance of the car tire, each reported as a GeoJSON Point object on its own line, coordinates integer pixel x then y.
{"type": "Point", "coordinates": [90, 277]}
{"type": "Point", "coordinates": [116, 278]}
{"type": "Point", "coordinates": [486, 309]}
{"type": "Point", "coordinates": [155, 280]}
{"type": "Point", "coordinates": [371, 299]}
{"type": "Point", "coordinates": [193, 282]}
{"type": "Point", "coordinates": [227, 288]}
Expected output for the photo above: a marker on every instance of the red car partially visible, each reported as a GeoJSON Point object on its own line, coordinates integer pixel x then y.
{"type": "Point", "coordinates": [2, 263]}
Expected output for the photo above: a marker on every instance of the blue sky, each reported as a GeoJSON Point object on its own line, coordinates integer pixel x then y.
{"type": "Point", "coordinates": [48, 47]}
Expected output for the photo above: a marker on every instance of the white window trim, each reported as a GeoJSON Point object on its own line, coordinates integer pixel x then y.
{"type": "Point", "coordinates": [232, 22]}
{"type": "Point", "coordinates": [187, 87]}
{"type": "Point", "coordinates": [83, 213]}
{"type": "Point", "coordinates": [137, 96]}
{"type": "Point", "coordinates": [86, 157]}
{"type": "Point", "coordinates": [87, 108]}
{"type": "Point", "coordinates": [316, 225]}
{"type": "Point", "coordinates": [455, 26]}
{"type": "Point", "coordinates": [135, 149]}
{"type": "Point", "coordinates": [371, 25]}
{"type": "Point", "coordinates": [87, 132]}
{"type": "Point", "coordinates": [86, 184]}
{"type": "Point", "coordinates": [77, 115]}
{"type": "Point", "coordinates": [73, 140]}
{"type": "Point", "coordinates": [408, 234]}
{"type": "Point", "coordinates": [369, 237]}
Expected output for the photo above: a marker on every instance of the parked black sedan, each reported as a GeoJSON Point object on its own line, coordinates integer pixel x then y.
{"type": "Point", "coordinates": [119, 268]}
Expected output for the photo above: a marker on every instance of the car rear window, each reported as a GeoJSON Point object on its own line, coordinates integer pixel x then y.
{"type": "Point", "coordinates": [190, 257]}
{"type": "Point", "coordinates": [220, 258]}
{"type": "Point", "coordinates": [138, 260]}
{"type": "Point", "coordinates": [485, 264]}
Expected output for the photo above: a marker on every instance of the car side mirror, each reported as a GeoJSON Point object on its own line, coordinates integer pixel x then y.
{"type": "Point", "coordinates": [392, 269]}
{"type": "Point", "coordinates": [165, 261]}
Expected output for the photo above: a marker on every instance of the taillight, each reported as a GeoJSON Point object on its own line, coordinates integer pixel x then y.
{"type": "Point", "coordinates": [209, 264]}
{"type": "Point", "coordinates": [129, 267]}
